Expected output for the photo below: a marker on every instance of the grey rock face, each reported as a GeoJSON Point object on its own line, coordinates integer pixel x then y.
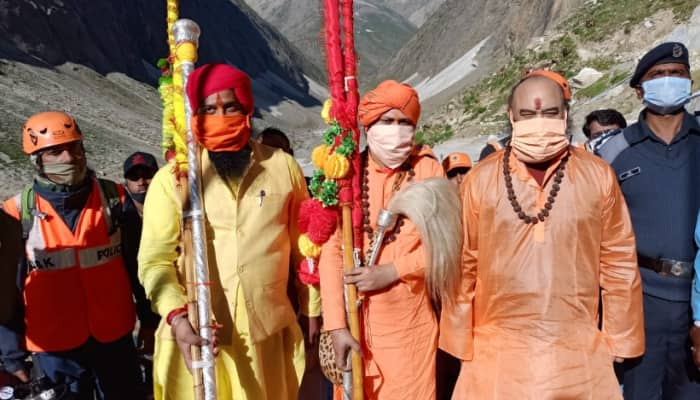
{"type": "Point", "coordinates": [457, 26]}
{"type": "Point", "coordinates": [129, 36]}
{"type": "Point", "coordinates": [381, 27]}
{"type": "Point", "coordinates": [96, 60]}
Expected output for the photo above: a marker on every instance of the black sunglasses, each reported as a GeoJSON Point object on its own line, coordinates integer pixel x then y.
{"type": "Point", "coordinates": [139, 173]}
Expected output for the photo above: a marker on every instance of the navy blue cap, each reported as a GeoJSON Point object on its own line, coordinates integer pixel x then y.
{"type": "Point", "coordinates": [665, 53]}
{"type": "Point", "coordinates": [141, 159]}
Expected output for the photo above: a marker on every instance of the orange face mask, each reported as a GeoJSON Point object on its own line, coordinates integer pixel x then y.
{"type": "Point", "coordinates": [221, 132]}
{"type": "Point", "coordinates": [538, 140]}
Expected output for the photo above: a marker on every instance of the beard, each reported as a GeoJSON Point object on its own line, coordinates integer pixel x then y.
{"type": "Point", "coordinates": [231, 164]}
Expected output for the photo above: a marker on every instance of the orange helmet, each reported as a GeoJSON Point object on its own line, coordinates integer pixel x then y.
{"type": "Point", "coordinates": [556, 77]}
{"type": "Point", "coordinates": [456, 160]}
{"type": "Point", "coordinates": [49, 129]}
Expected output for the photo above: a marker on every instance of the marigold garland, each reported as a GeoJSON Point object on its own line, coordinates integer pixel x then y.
{"type": "Point", "coordinates": [326, 111]}
{"type": "Point", "coordinates": [336, 166]}
{"type": "Point", "coordinates": [308, 272]}
{"type": "Point", "coordinates": [319, 156]}
{"type": "Point", "coordinates": [307, 248]}
{"type": "Point", "coordinates": [174, 143]}
{"type": "Point", "coordinates": [318, 216]}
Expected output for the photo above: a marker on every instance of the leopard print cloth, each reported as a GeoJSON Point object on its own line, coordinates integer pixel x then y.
{"type": "Point", "coordinates": [326, 357]}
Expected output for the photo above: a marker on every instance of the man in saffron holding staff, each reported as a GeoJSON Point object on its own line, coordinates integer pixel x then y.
{"type": "Point", "coordinates": [251, 196]}
{"type": "Point", "coordinates": [400, 329]}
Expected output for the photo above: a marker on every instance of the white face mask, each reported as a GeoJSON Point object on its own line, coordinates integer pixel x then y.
{"type": "Point", "coordinates": [390, 144]}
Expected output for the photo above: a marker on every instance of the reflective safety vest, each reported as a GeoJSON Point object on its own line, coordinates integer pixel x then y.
{"type": "Point", "coordinates": [77, 285]}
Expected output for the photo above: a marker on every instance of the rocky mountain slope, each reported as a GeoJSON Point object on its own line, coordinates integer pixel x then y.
{"type": "Point", "coordinates": [416, 11]}
{"type": "Point", "coordinates": [597, 55]}
{"type": "Point", "coordinates": [97, 59]}
{"type": "Point", "coordinates": [492, 30]}
{"type": "Point", "coordinates": [382, 26]}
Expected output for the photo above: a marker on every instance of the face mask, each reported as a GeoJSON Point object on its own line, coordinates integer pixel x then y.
{"type": "Point", "coordinates": [138, 197]}
{"type": "Point", "coordinates": [666, 95]}
{"type": "Point", "coordinates": [538, 140]}
{"type": "Point", "coordinates": [221, 132]}
{"type": "Point", "coordinates": [390, 144]}
{"type": "Point", "coordinates": [65, 174]}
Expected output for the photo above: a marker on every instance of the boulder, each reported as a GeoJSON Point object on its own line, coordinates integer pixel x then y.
{"type": "Point", "coordinates": [586, 77]}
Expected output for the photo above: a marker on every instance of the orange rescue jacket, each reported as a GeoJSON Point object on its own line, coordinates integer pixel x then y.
{"type": "Point", "coordinates": [77, 285]}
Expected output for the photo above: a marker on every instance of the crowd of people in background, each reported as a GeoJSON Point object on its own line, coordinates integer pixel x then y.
{"type": "Point", "coordinates": [578, 275]}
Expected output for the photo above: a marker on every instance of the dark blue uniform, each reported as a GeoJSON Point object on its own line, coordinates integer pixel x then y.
{"type": "Point", "coordinates": [660, 183]}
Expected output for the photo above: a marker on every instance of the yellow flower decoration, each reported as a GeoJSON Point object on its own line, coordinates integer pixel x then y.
{"type": "Point", "coordinates": [326, 111]}
{"type": "Point", "coordinates": [308, 248]}
{"type": "Point", "coordinates": [319, 156]}
{"type": "Point", "coordinates": [336, 166]}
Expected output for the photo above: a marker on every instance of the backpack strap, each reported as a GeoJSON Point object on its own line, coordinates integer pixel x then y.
{"type": "Point", "coordinates": [112, 204]}
{"type": "Point", "coordinates": [109, 193]}
{"type": "Point", "coordinates": [27, 209]}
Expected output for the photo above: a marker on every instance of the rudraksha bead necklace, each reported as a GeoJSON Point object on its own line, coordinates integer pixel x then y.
{"type": "Point", "coordinates": [405, 172]}
{"type": "Point", "coordinates": [554, 191]}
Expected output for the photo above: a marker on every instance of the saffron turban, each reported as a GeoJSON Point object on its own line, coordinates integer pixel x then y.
{"type": "Point", "coordinates": [213, 78]}
{"type": "Point", "coordinates": [385, 97]}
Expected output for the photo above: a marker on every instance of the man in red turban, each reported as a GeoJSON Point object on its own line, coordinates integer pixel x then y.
{"type": "Point", "coordinates": [221, 98]}
{"type": "Point", "coordinates": [251, 199]}
{"type": "Point", "coordinates": [399, 339]}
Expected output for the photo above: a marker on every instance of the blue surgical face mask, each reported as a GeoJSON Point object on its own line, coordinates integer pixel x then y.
{"type": "Point", "coordinates": [666, 95]}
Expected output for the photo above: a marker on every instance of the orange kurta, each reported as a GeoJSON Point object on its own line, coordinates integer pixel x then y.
{"type": "Point", "coordinates": [399, 326]}
{"type": "Point", "coordinates": [527, 318]}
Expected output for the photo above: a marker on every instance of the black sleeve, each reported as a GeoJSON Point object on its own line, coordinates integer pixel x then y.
{"type": "Point", "coordinates": [12, 266]}
{"type": "Point", "coordinates": [12, 273]}
{"type": "Point", "coordinates": [486, 151]}
{"type": "Point", "coordinates": [130, 225]}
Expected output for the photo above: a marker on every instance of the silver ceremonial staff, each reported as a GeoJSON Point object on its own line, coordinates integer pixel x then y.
{"type": "Point", "coordinates": [186, 34]}
{"type": "Point", "coordinates": [385, 223]}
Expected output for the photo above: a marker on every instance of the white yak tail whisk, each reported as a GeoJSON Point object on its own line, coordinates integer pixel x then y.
{"type": "Point", "coordinates": [434, 207]}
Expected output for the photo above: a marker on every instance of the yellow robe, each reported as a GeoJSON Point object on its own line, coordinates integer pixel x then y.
{"type": "Point", "coordinates": [272, 369]}
{"type": "Point", "coordinates": [252, 235]}
{"type": "Point", "coordinates": [526, 323]}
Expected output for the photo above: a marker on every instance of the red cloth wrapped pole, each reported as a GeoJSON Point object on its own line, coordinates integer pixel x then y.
{"type": "Point", "coordinates": [352, 98]}
{"type": "Point", "coordinates": [341, 75]}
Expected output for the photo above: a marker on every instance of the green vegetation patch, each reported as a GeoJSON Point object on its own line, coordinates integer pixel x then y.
{"type": "Point", "coordinates": [597, 22]}
{"type": "Point", "coordinates": [593, 22]}
{"type": "Point", "coordinates": [605, 82]}
{"type": "Point", "coordinates": [486, 100]}
{"type": "Point", "coordinates": [601, 63]}
{"type": "Point", "coordinates": [434, 134]}
{"type": "Point", "coordinates": [14, 150]}
{"type": "Point", "coordinates": [488, 97]}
